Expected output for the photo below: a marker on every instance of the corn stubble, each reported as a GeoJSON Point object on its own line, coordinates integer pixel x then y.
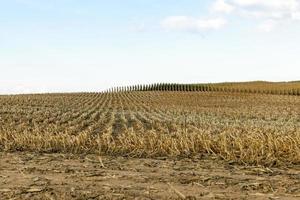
{"type": "Point", "coordinates": [246, 128]}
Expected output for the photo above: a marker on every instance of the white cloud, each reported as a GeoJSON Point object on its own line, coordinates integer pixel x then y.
{"type": "Point", "coordinates": [185, 23]}
{"type": "Point", "coordinates": [222, 6]}
{"type": "Point", "coordinates": [270, 4]}
{"type": "Point", "coordinates": [138, 27]}
{"type": "Point", "coordinates": [271, 12]}
{"type": "Point", "coordinates": [267, 26]}
{"type": "Point", "coordinates": [296, 15]}
{"type": "Point", "coordinates": [263, 14]}
{"type": "Point", "coordinates": [274, 9]}
{"type": "Point", "coordinates": [277, 9]}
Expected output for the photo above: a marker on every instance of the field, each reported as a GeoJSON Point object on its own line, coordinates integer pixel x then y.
{"type": "Point", "coordinates": [222, 141]}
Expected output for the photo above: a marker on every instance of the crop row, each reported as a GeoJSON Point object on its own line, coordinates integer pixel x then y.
{"type": "Point", "coordinates": [292, 88]}
{"type": "Point", "coordinates": [155, 123]}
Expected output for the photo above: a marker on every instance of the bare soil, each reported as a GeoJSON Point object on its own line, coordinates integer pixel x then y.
{"type": "Point", "coordinates": [64, 176]}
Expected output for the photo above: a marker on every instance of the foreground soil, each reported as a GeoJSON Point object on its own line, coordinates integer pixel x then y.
{"type": "Point", "coordinates": [65, 176]}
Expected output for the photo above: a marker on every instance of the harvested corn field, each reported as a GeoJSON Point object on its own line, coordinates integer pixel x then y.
{"type": "Point", "coordinates": [232, 128]}
{"type": "Point", "coordinates": [243, 128]}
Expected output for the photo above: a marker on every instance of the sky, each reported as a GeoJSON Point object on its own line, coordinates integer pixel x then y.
{"type": "Point", "coordinates": [92, 45]}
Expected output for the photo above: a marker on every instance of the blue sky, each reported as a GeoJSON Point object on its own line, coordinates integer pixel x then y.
{"type": "Point", "coordinates": [76, 45]}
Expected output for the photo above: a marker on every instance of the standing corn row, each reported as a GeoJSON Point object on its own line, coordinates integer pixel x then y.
{"type": "Point", "coordinates": [203, 88]}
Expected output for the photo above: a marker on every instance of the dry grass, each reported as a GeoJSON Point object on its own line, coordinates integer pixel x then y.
{"type": "Point", "coordinates": [250, 129]}
{"type": "Point", "coordinates": [248, 148]}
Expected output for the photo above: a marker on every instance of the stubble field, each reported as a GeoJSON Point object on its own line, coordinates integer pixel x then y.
{"type": "Point", "coordinates": [150, 144]}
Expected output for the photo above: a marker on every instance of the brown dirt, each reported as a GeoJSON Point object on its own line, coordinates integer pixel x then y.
{"type": "Point", "coordinates": [65, 176]}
